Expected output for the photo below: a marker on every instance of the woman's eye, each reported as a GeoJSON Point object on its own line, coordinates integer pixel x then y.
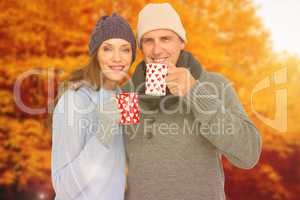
{"type": "Point", "coordinates": [106, 49]}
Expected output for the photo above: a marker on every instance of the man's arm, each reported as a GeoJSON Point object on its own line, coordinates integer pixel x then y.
{"type": "Point", "coordinates": [215, 104]}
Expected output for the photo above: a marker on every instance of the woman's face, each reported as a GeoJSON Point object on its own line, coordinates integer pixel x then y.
{"type": "Point", "coordinates": [114, 57]}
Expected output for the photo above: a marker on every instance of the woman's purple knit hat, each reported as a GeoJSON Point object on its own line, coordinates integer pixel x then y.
{"type": "Point", "coordinates": [108, 27]}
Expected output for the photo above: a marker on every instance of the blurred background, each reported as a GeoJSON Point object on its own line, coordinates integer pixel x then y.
{"type": "Point", "coordinates": [253, 43]}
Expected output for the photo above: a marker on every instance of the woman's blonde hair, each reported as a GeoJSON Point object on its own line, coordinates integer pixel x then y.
{"type": "Point", "coordinates": [89, 75]}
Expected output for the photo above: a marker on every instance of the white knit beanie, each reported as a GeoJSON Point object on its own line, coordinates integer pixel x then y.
{"type": "Point", "coordinates": [159, 16]}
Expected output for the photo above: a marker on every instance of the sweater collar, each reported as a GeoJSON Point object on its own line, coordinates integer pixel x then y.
{"type": "Point", "coordinates": [137, 83]}
{"type": "Point", "coordinates": [185, 60]}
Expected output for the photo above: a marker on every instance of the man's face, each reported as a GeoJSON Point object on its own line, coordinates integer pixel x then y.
{"type": "Point", "coordinates": [161, 46]}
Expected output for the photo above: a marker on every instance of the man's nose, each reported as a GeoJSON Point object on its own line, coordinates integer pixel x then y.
{"type": "Point", "coordinates": [157, 49]}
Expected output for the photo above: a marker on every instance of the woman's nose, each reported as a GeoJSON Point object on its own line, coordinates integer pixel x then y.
{"type": "Point", "coordinates": [116, 56]}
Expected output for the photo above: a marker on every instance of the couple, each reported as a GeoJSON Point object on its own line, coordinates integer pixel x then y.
{"type": "Point", "coordinates": [164, 161]}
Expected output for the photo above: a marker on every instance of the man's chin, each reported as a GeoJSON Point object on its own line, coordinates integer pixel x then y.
{"type": "Point", "coordinates": [156, 62]}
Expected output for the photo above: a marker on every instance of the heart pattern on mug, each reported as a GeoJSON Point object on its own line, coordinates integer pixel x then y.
{"type": "Point", "coordinates": [128, 106]}
{"type": "Point", "coordinates": [155, 79]}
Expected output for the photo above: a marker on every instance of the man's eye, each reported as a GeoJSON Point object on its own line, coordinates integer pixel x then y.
{"type": "Point", "coordinates": [146, 40]}
{"type": "Point", "coordinates": [127, 50]}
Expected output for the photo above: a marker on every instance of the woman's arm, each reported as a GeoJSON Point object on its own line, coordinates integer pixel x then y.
{"type": "Point", "coordinates": [78, 157]}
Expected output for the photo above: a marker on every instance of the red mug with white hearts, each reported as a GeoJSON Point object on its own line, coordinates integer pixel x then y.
{"type": "Point", "coordinates": [129, 108]}
{"type": "Point", "coordinates": [156, 79]}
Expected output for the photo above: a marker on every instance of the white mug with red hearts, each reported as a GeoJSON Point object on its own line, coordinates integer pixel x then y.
{"type": "Point", "coordinates": [156, 79]}
{"type": "Point", "coordinates": [129, 108]}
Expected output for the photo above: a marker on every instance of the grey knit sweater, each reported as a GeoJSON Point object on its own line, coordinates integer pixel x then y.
{"type": "Point", "coordinates": [175, 153]}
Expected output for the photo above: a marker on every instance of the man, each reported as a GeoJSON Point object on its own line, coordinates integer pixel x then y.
{"type": "Point", "coordinates": [175, 153]}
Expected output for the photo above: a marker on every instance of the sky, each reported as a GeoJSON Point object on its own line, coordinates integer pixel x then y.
{"type": "Point", "coordinates": [282, 19]}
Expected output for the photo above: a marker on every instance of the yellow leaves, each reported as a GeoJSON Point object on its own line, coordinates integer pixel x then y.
{"type": "Point", "coordinates": [7, 178]}
{"type": "Point", "coordinates": [25, 150]}
{"type": "Point", "coordinates": [6, 103]}
{"type": "Point", "coordinates": [271, 184]}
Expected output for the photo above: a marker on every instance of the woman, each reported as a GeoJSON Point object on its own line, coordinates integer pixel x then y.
{"type": "Point", "coordinates": [88, 158]}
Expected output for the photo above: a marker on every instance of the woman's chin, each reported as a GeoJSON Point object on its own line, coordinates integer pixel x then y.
{"type": "Point", "coordinates": [116, 79]}
{"type": "Point", "coordinates": [117, 76]}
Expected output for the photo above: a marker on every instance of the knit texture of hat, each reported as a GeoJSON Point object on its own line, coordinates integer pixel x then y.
{"type": "Point", "coordinates": [108, 27]}
{"type": "Point", "coordinates": [159, 16]}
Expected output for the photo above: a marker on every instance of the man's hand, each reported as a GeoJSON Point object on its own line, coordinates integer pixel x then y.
{"type": "Point", "coordinates": [179, 80]}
